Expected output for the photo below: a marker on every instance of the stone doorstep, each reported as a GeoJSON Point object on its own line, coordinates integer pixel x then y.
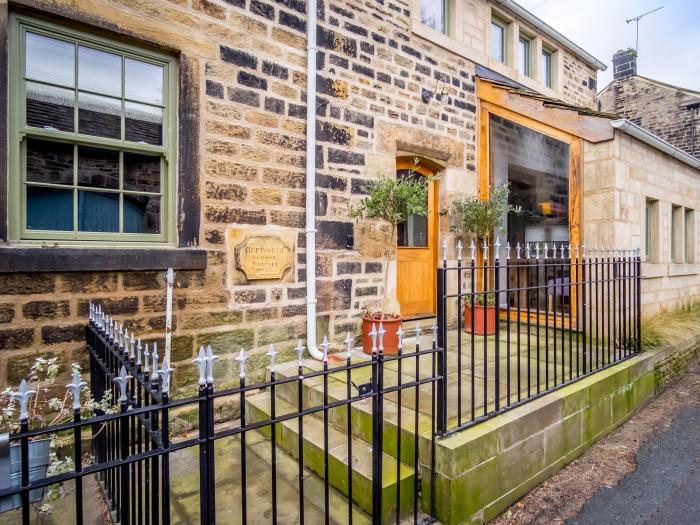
{"type": "Point", "coordinates": [258, 409]}
{"type": "Point", "coordinates": [523, 440]}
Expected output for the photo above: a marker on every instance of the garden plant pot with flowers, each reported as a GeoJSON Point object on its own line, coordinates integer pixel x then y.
{"type": "Point", "coordinates": [391, 201]}
{"type": "Point", "coordinates": [480, 314]}
{"type": "Point", "coordinates": [479, 219]}
{"type": "Point", "coordinates": [34, 405]}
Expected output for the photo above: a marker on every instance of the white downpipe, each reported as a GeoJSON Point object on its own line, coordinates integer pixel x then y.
{"type": "Point", "coordinates": [311, 181]}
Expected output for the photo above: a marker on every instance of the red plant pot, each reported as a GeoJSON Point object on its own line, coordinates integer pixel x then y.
{"type": "Point", "coordinates": [483, 324]}
{"type": "Point", "coordinates": [391, 340]}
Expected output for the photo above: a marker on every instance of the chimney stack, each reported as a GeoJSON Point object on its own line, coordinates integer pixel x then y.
{"type": "Point", "coordinates": [624, 64]}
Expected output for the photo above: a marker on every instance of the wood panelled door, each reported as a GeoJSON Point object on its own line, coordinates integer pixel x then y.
{"type": "Point", "coordinates": [416, 247]}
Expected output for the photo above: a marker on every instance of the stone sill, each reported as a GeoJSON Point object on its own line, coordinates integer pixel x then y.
{"type": "Point", "coordinates": [22, 259]}
{"type": "Point", "coordinates": [656, 270]}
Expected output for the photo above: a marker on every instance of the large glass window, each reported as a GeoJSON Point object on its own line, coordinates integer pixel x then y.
{"type": "Point", "coordinates": [92, 121]}
{"type": "Point", "coordinates": [498, 40]}
{"type": "Point", "coordinates": [435, 13]}
{"type": "Point", "coordinates": [537, 168]}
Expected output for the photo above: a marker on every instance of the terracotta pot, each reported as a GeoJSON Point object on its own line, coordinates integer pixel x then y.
{"type": "Point", "coordinates": [391, 340]}
{"type": "Point", "coordinates": [480, 327]}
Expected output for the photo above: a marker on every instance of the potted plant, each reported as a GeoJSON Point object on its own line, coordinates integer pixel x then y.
{"type": "Point", "coordinates": [478, 219]}
{"type": "Point", "coordinates": [483, 307]}
{"type": "Point", "coordinates": [390, 200]}
{"type": "Point", "coordinates": [43, 408]}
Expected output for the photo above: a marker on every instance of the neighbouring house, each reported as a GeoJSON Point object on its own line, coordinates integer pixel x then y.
{"type": "Point", "coordinates": [160, 134]}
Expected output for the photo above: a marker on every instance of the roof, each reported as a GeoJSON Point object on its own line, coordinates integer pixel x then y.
{"type": "Point", "coordinates": [651, 81]}
{"type": "Point", "coordinates": [514, 87]}
{"type": "Point", "coordinates": [552, 33]}
{"type": "Point", "coordinates": [638, 132]}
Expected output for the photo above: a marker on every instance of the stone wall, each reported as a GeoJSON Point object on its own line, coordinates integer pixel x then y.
{"type": "Point", "coordinates": [656, 107]}
{"type": "Point", "coordinates": [671, 362]}
{"type": "Point", "coordinates": [619, 176]}
{"type": "Point", "coordinates": [244, 62]}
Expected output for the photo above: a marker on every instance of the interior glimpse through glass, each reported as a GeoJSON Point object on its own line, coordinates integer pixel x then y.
{"type": "Point", "coordinates": [413, 232]}
{"type": "Point", "coordinates": [537, 168]}
{"type": "Point", "coordinates": [432, 13]}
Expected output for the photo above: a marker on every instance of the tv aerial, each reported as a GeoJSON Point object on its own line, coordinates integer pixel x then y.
{"type": "Point", "coordinates": [637, 19]}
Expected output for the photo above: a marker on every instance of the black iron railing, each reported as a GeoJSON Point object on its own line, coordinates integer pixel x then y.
{"type": "Point", "coordinates": [518, 322]}
{"type": "Point", "coordinates": [135, 455]}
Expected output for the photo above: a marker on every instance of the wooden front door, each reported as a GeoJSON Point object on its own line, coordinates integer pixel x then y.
{"type": "Point", "coordinates": [416, 248]}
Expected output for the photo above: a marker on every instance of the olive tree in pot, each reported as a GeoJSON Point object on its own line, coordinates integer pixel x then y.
{"type": "Point", "coordinates": [36, 403]}
{"type": "Point", "coordinates": [393, 201]}
{"type": "Point", "coordinates": [479, 219]}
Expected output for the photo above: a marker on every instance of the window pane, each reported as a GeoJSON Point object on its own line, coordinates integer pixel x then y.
{"type": "Point", "coordinates": [497, 42]}
{"type": "Point", "coordinates": [141, 172]}
{"type": "Point", "coordinates": [413, 232]}
{"type": "Point", "coordinates": [547, 69]}
{"type": "Point", "coordinates": [98, 211]}
{"type": "Point", "coordinates": [524, 56]}
{"type": "Point", "coordinates": [49, 209]}
{"type": "Point", "coordinates": [98, 168]}
{"type": "Point", "coordinates": [50, 162]}
{"type": "Point", "coordinates": [99, 116]}
{"type": "Point", "coordinates": [141, 214]}
{"type": "Point", "coordinates": [99, 71]}
{"type": "Point", "coordinates": [50, 107]}
{"type": "Point", "coordinates": [432, 13]}
{"type": "Point", "coordinates": [50, 60]}
{"type": "Point", "coordinates": [143, 82]}
{"type": "Point", "coordinates": [143, 123]}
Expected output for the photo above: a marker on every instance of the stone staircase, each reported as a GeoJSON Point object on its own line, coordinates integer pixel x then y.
{"type": "Point", "coordinates": [399, 472]}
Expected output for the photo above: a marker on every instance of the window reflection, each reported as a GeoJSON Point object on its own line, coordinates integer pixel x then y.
{"type": "Point", "coordinates": [141, 172]}
{"type": "Point", "coordinates": [50, 60]}
{"type": "Point", "coordinates": [143, 82]}
{"type": "Point", "coordinates": [50, 162]}
{"type": "Point", "coordinates": [98, 211]}
{"type": "Point", "coordinates": [432, 13]}
{"type": "Point", "coordinates": [98, 168]}
{"type": "Point", "coordinates": [50, 107]}
{"type": "Point", "coordinates": [99, 116]}
{"type": "Point", "coordinates": [143, 123]}
{"type": "Point", "coordinates": [49, 209]}
{"type": "Point", "coordinates": [99, 71]}
{"type": "Point", "coordinates": [141, 214]}
{"type": "Point", "coordinates": [413, 232]}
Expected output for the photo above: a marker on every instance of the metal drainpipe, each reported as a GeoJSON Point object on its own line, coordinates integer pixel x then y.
{"type": "Point", "coordinates": [311, 181]}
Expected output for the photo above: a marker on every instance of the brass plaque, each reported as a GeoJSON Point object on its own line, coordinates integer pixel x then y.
{"type": "Point", "coordinates": [263, 257]}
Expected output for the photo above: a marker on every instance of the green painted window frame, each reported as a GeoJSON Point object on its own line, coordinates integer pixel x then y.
{"type": "Point", "coordinates": [20, 133]}
{"type": "Point", "coordinates": [689, 234]}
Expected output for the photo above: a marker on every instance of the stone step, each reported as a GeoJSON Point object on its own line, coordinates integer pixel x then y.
{"type": "Point", "coordinates": [361, 411]}
{"type": "Point", "coordinates": [287, 435]}
{"type": "Point", "coordinates": [314, 512]}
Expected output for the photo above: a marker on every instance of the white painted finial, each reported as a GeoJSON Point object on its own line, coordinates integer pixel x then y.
{"type": "Point", "coordinates": [165, 374]}
{"type": "Point", "coordinates": [75, 387]}
{"type": "Point", "coordinates": [373, 335]}
{"type": "Point", "coordinates": [154, 357]}
{"type": "Point", "coordinates": [122, 381]}
{"type": "Point", "coordinates": [201, 362]}
{"type": "Point", "coordinates": [472, 248]}
{"type": "Point", "coordinates": [272, 353]}
{"type": "Point", "coordinates": [23, 395]}
{"type": "Point", "coordinates": [325, 345]}
{"type": "Point", "coordinates": [210, 357]}
{"type": "Point", "coordinates": [400, 333]}
{"type": "Point", "coordinates": [299, 349]}
{"type": "Point", "coordinates": [348, 346]}
{"type": "Point", "coordinates": [459, 250]}
{"type": "Point", "coordinates": [242, 358]}
{"type": "Point", "coordinates": [380, 334]}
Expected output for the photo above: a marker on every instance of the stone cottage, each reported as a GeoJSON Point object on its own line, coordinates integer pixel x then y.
{"type": "Point", "coordinates": [140, 136]}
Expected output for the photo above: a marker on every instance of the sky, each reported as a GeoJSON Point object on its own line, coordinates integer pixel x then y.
{"type": "Point", "coordinates": [669, 40]}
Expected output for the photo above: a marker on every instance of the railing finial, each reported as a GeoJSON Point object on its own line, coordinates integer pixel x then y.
{"type": "Point", "coordinates": [325, 345]}
{"type": "Point", "coordinates": [444, 251]}
{"type": "Point", "coordinates": [373, 335]}
{"type": "Point", "coordinates": [201, 363]}
{"type": "Point", "coordinates": [348, 346]}
{"type": "Point", "coordinates": [75, 387]}
{"type": "Point", "coordinates": [165, 374]}
{"type": "Point", "coordinates": [380, 334]}
{"type": "Point", "coordinates": [272, 353]}
{"type": "Point", "coordinates": [517, 250]}
{"type": "Point", "coordinates": [22, 396]}
{"type": "Point", "coordinates": [154, 356]}
{"type": "Point", "coordinates": [242, 358]}
{"type": "Point", "coordinates": [299, 349]}
{"type": "Point", "coordinates": [459, 250]}
{"type": "Point", "coordinates": [400, 333]}
{"type": "Point", "coordinates": [122, 381]}
{"type": "Point", "coordinates": [497, 248]}
{"type": "Point", "coordinates": [472, 248]}
{"type": "Point", "coordinates": [210, 357]}
{"type": "Point", "coordinates": [434, 330]}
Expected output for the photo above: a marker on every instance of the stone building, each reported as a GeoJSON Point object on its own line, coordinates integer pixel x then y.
{"type": "Point", "coordinates": [670, 112]}
{"type": "Point", "coordinates": [200, 109]}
